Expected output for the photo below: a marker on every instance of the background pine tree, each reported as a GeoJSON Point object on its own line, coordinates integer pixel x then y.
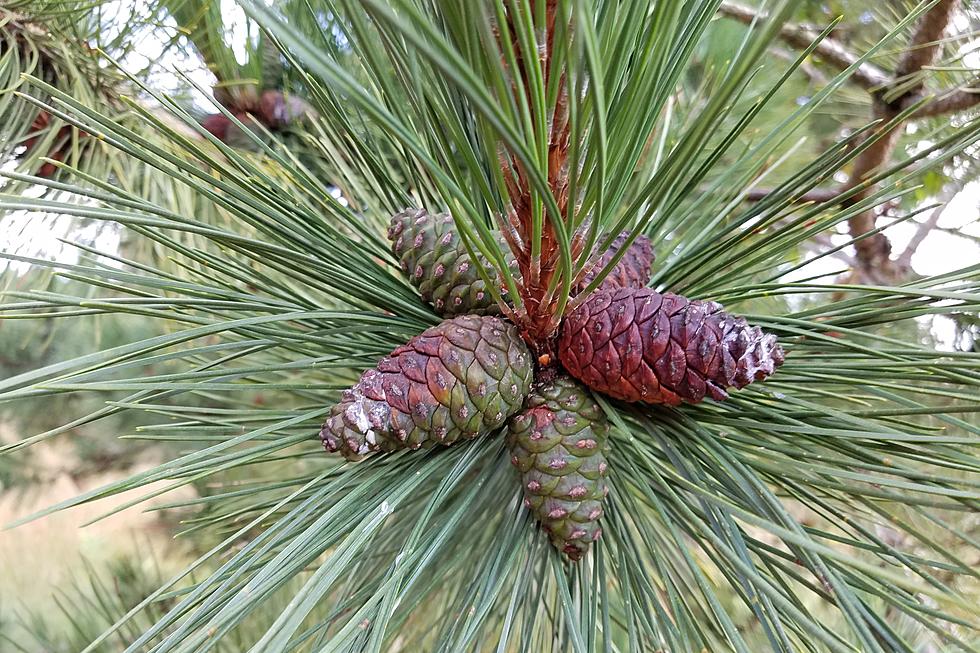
{"type": "Point", "coordinates": [821, 510]}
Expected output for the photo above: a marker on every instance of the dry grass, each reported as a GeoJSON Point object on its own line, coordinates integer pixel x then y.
{"type": "Point", "coordinates": [41, 557]}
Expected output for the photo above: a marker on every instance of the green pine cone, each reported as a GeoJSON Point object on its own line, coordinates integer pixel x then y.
{"type": "Point", "coordinates": [433, 256]}
{"type": "Point", "coordinates": [457, 380]}
{"type": "Point", "coordinates": [559, 443]}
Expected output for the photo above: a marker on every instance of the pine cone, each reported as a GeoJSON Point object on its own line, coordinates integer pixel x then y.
{"type": "Point", "coordinates": [559, 444]}
{"type": "Point", "coordinates": [278, 110]}
{"type": "Point", "coordinates": [632, 271]}
{"type": "Point", "coordinates": [457, 380]}
{"type": "Point", "coordinates": [640, 345]}
{"type": "Point", "coordinates": [437, 263]}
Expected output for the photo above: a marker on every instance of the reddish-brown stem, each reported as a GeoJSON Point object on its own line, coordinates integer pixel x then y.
{"type": "Point", "coordinates": [536, 318]}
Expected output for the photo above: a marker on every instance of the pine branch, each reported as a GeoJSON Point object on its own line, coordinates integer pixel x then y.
{"type": "Point", "coordinates": [904, 260]}
{"type": "Point", "coordinates": [874, 252]}
{"type": "Point", "coordinates": [959, 233]}
{"type": "Point", "coordinates": [538, 268]}
{"type": "Point", "coordinates": [926, 42]}
{"type": "Point", "coordinates": [293, 295]}
{"type": "Point", "coordinates": [866, 75]}
{"type": "Point", "coordinates": [891, 95]}
{"type": "Point", "coordinates": [67, 58]}
{"type": "Point", "coordinates": [953, 101]}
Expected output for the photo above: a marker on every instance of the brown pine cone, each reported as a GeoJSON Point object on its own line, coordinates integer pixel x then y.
{"type": "Point", "coordinates": [632, 271]}
{"type": "Point", "coordinates": [640, 345]}
{"type": "Point", "coordinates": [278, 110]}
{"type": "Point", "coordinates": [457, 380]}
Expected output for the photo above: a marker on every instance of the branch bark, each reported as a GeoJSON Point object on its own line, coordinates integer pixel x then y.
{"type": "Point", "coordinates": [926, 41]}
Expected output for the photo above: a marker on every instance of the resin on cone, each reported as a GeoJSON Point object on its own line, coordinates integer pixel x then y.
{"type": "Point", "coordinates": [559, 444]}
{"type": "Point", "coordinates": [641, 345]}
{"type": "Point", "coordinates": [632, 271]}
{"type": "Point", "coordinates": [457, 380]}
{"type": "Point", "coordinates": [433, 256]}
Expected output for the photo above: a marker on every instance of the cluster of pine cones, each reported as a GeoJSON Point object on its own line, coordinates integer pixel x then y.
{"type": "Point", "coordinates": [472, 374]}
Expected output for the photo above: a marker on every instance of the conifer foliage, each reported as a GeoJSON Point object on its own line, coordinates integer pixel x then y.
{"type": "Point", "coordinates": [616, 480]}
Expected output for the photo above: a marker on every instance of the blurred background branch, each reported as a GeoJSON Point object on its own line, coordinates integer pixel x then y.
{"type": "Point", "coordinates": [892, 95]}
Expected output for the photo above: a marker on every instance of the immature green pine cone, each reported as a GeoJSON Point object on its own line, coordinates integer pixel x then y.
{"type": "Point", "coordinates": [433, 256]}
{"type": "Point", "coordinates": [559, 443]}
{"type": "Point", "coordinates": [457, 380]}
{"type": "Point", "coordinates": [641, 345]}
